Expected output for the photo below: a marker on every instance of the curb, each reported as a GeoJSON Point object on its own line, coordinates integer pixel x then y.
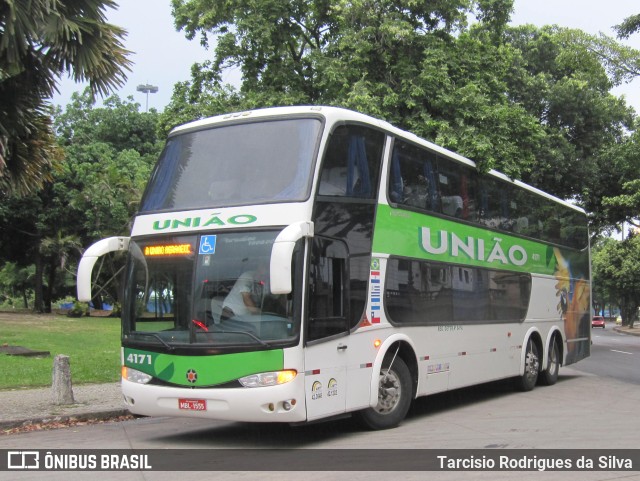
{"type": "Point", "coordinates": [64, 418]}
{"type": "Point", "coordinates": [630, 332]}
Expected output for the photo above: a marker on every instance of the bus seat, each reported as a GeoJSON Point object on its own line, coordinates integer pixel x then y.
{"type": "Point", "coordinates": [333, 181]}
{"type": "Point", "coordinates": [452, 205]}
{"type": "Point", "coordinates": [216, 308]}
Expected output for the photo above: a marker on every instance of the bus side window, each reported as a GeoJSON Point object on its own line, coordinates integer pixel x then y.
{"type": "Point", "coordinates": [413, 177]}
{"type": "Point", "coordinates": [328, 289]}
{"type": "Point", "coordinates": [352, 163]}
{"type": "Point", "coordinates": [493, 203]}
{"type": "Point", "coordinates": [424, 293]}
{"type": "Point", "coordinates": [458, 187]}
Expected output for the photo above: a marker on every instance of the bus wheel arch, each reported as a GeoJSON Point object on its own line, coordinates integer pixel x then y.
{"type": "Point", "coordinates": [396, 387]}
{"type": "Point", "coordinates": [531, 362]}
{"type": "Point", "coordinates": [554, 357]}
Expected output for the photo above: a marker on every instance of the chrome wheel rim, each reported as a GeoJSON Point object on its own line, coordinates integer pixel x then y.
{"type": "Point", "coordinates": [531, 364]}
{"type": "Point", "coordinates": [389, 392]}
{"type": "Point", "coordinates": [553, 359]}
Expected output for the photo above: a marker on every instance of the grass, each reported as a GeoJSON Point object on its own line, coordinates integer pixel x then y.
{"type": "Point", "coordinates": [92, 343]}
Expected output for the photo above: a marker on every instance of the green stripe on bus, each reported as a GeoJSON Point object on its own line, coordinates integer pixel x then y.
{"type": "Point", "coordinates": [410, 234]}
{"type": "Point", "coordinates": [203, 370]}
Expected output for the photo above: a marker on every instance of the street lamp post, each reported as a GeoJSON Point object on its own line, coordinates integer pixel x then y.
{"type": "Point", "coordinates": [147, 89]}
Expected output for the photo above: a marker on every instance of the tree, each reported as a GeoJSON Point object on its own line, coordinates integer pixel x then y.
{"type": "Point", "coordinates": [41, 40]}
{"type": "Point", "coordinates": [16, 282]}
{"type": "Point", "coordinates": [108, 154]}
{"type": "Point", "coordinates": [629, 26]}
{"type": "Point", "coordinates": [414, 64]}
{"type": "Point", "coordinates": [621, 204]}
{"type": "Point", "coordinates": [565, 81]}
{"type": "Point", "coordinates": [616, 272]}
{"type": "Point", "coordinates": [531, 102]}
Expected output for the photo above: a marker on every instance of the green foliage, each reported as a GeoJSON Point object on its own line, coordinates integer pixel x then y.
{"type": "Point", "coordinates": [108, 155]}
{"type": "Point", "coordinates": [531, 102]}
{"type": "Point", "coordinates": [622, 204]}
{"type": "Point", "coordinates": [16, 285]}
{"type": "Point", "coordinates": [109, 151]}
{"type": "Point", "coordinates": [616, 274]}
{"type": "Point", "coordinates": [41, 40]}
{"type": "Point", "coordinates": [64, 300]}
{"type": "Point", "coordinates": [79, 309]}
{"type": "Point", "coordinates": [629, 26]}
{"type": "Point", "coordinates": [564, 80]}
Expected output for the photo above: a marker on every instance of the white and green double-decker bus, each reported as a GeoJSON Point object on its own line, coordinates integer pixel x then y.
{"type": "Point", "coordinates": [292, 264]}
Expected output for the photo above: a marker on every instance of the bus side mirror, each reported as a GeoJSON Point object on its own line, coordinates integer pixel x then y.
{"type": "Point", "coordinates": [89, 258]}
{"type": "Point", "coordinates": [282, 255]}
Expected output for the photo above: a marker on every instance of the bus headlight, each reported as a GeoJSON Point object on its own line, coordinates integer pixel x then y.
{"type": "Point", "coordinates": [268, 378]}
{"type": "Point", "coordinates": [133, 375]}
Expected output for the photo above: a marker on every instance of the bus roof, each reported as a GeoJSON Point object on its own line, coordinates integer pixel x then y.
{"type": "Point", "coordinates": [339, 114]}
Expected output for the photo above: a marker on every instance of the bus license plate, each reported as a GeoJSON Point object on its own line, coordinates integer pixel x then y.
{"type": "Point", "coordinates": [193, 404]}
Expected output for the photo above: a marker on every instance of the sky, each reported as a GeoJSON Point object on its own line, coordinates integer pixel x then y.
{"type": "Point", "coordinates": [162, 56]}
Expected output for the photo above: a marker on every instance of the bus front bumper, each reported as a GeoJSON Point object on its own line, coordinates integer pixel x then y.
{"type": "Point", "coordinates": [282, 403]}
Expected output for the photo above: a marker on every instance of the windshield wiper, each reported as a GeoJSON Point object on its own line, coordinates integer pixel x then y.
{"type": "Point", "coordinates": [246, 333]}
{"type": "Point", "coordinates": [164, 343]}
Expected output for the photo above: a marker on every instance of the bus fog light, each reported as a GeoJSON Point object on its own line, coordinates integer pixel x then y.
{"type": "Point", "coordinates": [133, 375]}
{"type": "Point", "coordinates": [287, 406]}
{"type": "Point", "coordinates": [268, 378]}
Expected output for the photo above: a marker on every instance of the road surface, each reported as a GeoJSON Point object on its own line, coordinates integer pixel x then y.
{"type": "Point", "coordinates": [594, 405]}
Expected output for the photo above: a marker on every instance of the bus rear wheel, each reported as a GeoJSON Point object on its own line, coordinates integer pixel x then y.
{"type": "Point", "coordinates": [394, 397]}
{"type": "Point", "coordinates": [550, 374]}
{"type": "Point", "coordinates": [529, 378]}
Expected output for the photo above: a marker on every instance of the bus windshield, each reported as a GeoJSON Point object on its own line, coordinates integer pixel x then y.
{"type": "Point", "coordinates": [238, 164]}
{"type": "Point", "coordinates": [206, 290]}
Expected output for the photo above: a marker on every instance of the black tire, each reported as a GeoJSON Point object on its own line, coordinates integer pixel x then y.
{"type": "Point", "coordinates": [394, 397]}
{"type": "Point", "coordinates": [549, 376]}
{"type": "Point", "coordinates": [529, 378]}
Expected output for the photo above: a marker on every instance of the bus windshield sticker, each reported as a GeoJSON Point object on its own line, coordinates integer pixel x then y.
{"type": "Point", "coordinates": [207, 245]}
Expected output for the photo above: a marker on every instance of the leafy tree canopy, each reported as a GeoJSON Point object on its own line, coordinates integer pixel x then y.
{"type": "Point", "coordinates": [629, 26]}
{"type": "Point", "coordinates": [108, 155]}
{"type": "Point", "coordinates": [40, 40]}
{"type": "Point", "coordinates": [531, 102]}
{"type": "Point", "coordinates": [615, 268]}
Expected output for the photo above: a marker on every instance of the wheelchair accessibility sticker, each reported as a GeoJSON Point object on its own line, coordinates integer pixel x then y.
{"type": "Point", "coordinates": [207, 244]}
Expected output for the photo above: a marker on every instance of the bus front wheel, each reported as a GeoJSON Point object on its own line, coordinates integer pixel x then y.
{"type": "Point", "coordinates": [394, 397]}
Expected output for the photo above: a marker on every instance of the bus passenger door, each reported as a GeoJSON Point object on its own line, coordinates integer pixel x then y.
{"type": "Point", "coordinates": [326, 329]}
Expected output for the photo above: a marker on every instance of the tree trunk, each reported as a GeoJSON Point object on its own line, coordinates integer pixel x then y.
{"type": "Point", "coordinates": [38, 305]}
{"type": "Point", "coordinates": [629, 311]}
{"type": "Point", "coordinates": [51, 285]}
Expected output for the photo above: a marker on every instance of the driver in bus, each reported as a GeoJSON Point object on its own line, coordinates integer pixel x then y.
{"type": "Point", "coordinates": [247, 294]}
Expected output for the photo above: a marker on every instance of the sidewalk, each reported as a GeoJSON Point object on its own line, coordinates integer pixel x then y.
{"type": "Point", "coordinates": [23, 408]}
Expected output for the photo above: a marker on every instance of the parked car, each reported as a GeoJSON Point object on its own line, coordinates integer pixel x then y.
{"type": "Point", "coordinates": [597, 321]}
